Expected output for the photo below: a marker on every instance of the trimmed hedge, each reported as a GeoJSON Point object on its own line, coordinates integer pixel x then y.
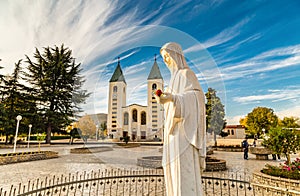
{"type": "Point", "coordinates": [57, 137]}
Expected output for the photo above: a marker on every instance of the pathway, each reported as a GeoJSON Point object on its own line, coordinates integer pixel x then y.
{"type": "Point", "coordinates": [118, 158]}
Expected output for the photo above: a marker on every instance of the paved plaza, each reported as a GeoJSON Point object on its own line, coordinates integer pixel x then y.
{"type": "Point", "coordinates": [117, 158]}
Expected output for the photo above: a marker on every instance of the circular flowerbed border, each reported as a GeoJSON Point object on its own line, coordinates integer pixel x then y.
{"type": "Point", "coordinates": [268, 184]}
{"type": "Point", "coordinates": [129, 145]}
{"type": "Point", "coordinates": [9, 158]}
{"type": "Point", "coordinates": [95, 149]}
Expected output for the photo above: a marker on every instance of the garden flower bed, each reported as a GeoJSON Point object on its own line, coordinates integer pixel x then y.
{"type": "Point", "coordinates": [280, 180]}
{"type": "Point", "coordinates": [8, 158]}
{"type": "Point", "coordinates": [291, 171]}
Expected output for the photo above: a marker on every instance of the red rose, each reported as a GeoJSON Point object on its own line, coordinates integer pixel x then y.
{"type": "Point", "coordinates": [159, 92]}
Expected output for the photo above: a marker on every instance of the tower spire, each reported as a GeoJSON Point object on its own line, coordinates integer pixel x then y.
{"type": "Point", "coordinates": [118, 74]}
{"type": "Point", "coordinates": [155, 72]}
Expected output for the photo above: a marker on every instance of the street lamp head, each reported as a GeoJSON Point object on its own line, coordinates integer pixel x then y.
{"type": "Point", "coordinates": [30, 125]}
{"type": "Point", "coordinates": [19, 117]}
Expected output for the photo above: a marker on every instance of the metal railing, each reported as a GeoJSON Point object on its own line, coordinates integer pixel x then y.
{"type": "Point", "coordinates": [107, 182]}
{"type": "Point", "coordinates": [227, 183]}
{"type": "Point", "coordinates": [117, 182]}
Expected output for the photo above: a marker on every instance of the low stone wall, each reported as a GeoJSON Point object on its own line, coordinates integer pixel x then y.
{"type": "Point", "coordinates": [264, 184]}
{"type": "Point", "coordinates": [85, 150]}
{"type": "Point", "coordinates": [233, 142]}
{"type": "Point", "coordinates": [213, 164]}
{"type": "Point", "coordinates": [150, 162]}
{"type": "Point", "coordinates": [229, 149]}
{"type": "Point", "coordinates": [129, 145]}
{"type": "Point", "coordinates": [26, 156]}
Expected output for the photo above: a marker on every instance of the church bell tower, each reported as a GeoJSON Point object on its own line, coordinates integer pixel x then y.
{"type": "Point", "coordinates": [116, 101]}
{"type": "Point", "coordinates": [155, 110]}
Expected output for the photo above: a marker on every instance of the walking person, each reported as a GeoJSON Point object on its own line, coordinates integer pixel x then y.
{"type": "Point", "coordinates": [245, 146]}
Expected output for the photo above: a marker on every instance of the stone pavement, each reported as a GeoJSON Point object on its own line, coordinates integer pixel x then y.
{"type": "Point", "coordinates": [118, 158]}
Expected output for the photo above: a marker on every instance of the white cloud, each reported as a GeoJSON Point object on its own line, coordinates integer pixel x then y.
{"type": "Point", "coordinates": [222, 37]}
{"type": "Point", "coordinates": [133, 69]}
{"type": "Point", "coordinates": [289, 112]}
{"type": "Point", "coordinates": [235, 46]}
{"type": "Point", "coordinates": [233, 120]}
{"type": "Point", "coordinates": [273, 95]}
{"type": "Point", "coordinates": [265, 62]}
{"type": "Point", "coordinates": [81, 25]}
{"type": "Point", "coordinates": [226, 34]}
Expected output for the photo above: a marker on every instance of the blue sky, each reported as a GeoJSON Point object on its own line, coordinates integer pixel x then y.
{"type": "Point", "coordinates": [249, 51]}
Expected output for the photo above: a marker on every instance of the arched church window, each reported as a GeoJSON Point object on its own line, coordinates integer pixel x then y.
{"type": "Point", "coordinates": [154, 86]}
{"type": "Point", "coordinates": [126, 116]}
{"type": "Point", "coordinates": [134, 115]}
{"type": "Point", "coordinates": [115, 89]}
{"type": "Point", "coordinates": [143, 118]}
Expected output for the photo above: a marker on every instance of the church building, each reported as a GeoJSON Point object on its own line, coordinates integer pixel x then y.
{"type": "Point", "coordinates": [141, 123]}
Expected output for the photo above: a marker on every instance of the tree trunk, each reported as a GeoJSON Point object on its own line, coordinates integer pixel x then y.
{"type": "Point", "coordinates": [215, 139]}
{"type": "Point", "coordinates": [288, 157]}
{"type": "Point", "coordinates": [71, 140]}
{"type": "Point", "coordinates": [6, 138]}
{"type": "Point", "coordinates": [39, 146]}
{"type": "Point", "coordinates": [48, 134]}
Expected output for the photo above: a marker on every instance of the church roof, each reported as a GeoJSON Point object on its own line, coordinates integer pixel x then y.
{"type": "Point", "coordinates": [118, 75]}
{"type": "Point", "coordinates": [155, 72]}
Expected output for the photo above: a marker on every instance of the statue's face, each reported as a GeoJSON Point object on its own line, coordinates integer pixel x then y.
{"type": "Point", "coordinates": [166, 57]}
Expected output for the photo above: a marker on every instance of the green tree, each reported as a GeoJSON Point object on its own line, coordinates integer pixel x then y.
{"type": "Point", "coordinates": [87, 126]}
{"type": "Point", "coordinates": [260, 118]}
{"type": "Point", "coordinates": [224, 134]}
{"type": "Point", "coordinates": [1, 80]}
{"type": "Point", "coordinates": [55, 78]}
{"type": "Point", "coordinates": [2, 117]}
{"type": "Point", "coordinates": [13, 101]}
{"type": "Point", "coordinates": [283, 141]}
{"type": "Point", "coordinates": [2, 111]}
{"type": "Point", "coordinates": [103, 128]}
{"type": "Point", "coordinates": [79, 96]}
{"type": "Point", "coordinates": [289, 122]}
{"type": "Point", "coordinates": [215, 114]}
{"type": "Point", "coordinates": [40, 137]}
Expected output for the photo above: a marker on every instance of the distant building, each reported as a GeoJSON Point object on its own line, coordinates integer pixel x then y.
{"type": "Point", "coordinates": [139, 122]}
{"type": "Point", "coordinates": [235, 131]}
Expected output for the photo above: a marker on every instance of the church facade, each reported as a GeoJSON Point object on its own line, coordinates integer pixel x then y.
{"type": "Point", "coordinates": [140, 123]}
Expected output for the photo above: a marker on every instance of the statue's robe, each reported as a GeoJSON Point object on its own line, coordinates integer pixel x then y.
{"type": "Point", "coordinates": [184, 147]}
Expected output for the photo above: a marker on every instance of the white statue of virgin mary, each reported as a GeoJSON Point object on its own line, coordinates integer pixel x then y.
{"type": "Point", "coordinates": [184, 148]}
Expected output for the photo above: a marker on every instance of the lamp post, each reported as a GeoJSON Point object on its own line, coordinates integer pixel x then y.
{"type": "Point", "coordinates": [19, 117]}
{"type": "Point", "coordinates": [29, 135]}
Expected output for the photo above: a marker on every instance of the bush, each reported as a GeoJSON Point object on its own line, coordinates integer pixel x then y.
{"type": "Point", "coordinates": [283, 141]}
{"type": "Point", "coordinates": [125, 139]}
{"type": "Point", "coordinates": [291, 171]}
{"type": "Point", "coordinates": [57, 137]}
{"type": "Point", "coordinates": [229, 146]}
